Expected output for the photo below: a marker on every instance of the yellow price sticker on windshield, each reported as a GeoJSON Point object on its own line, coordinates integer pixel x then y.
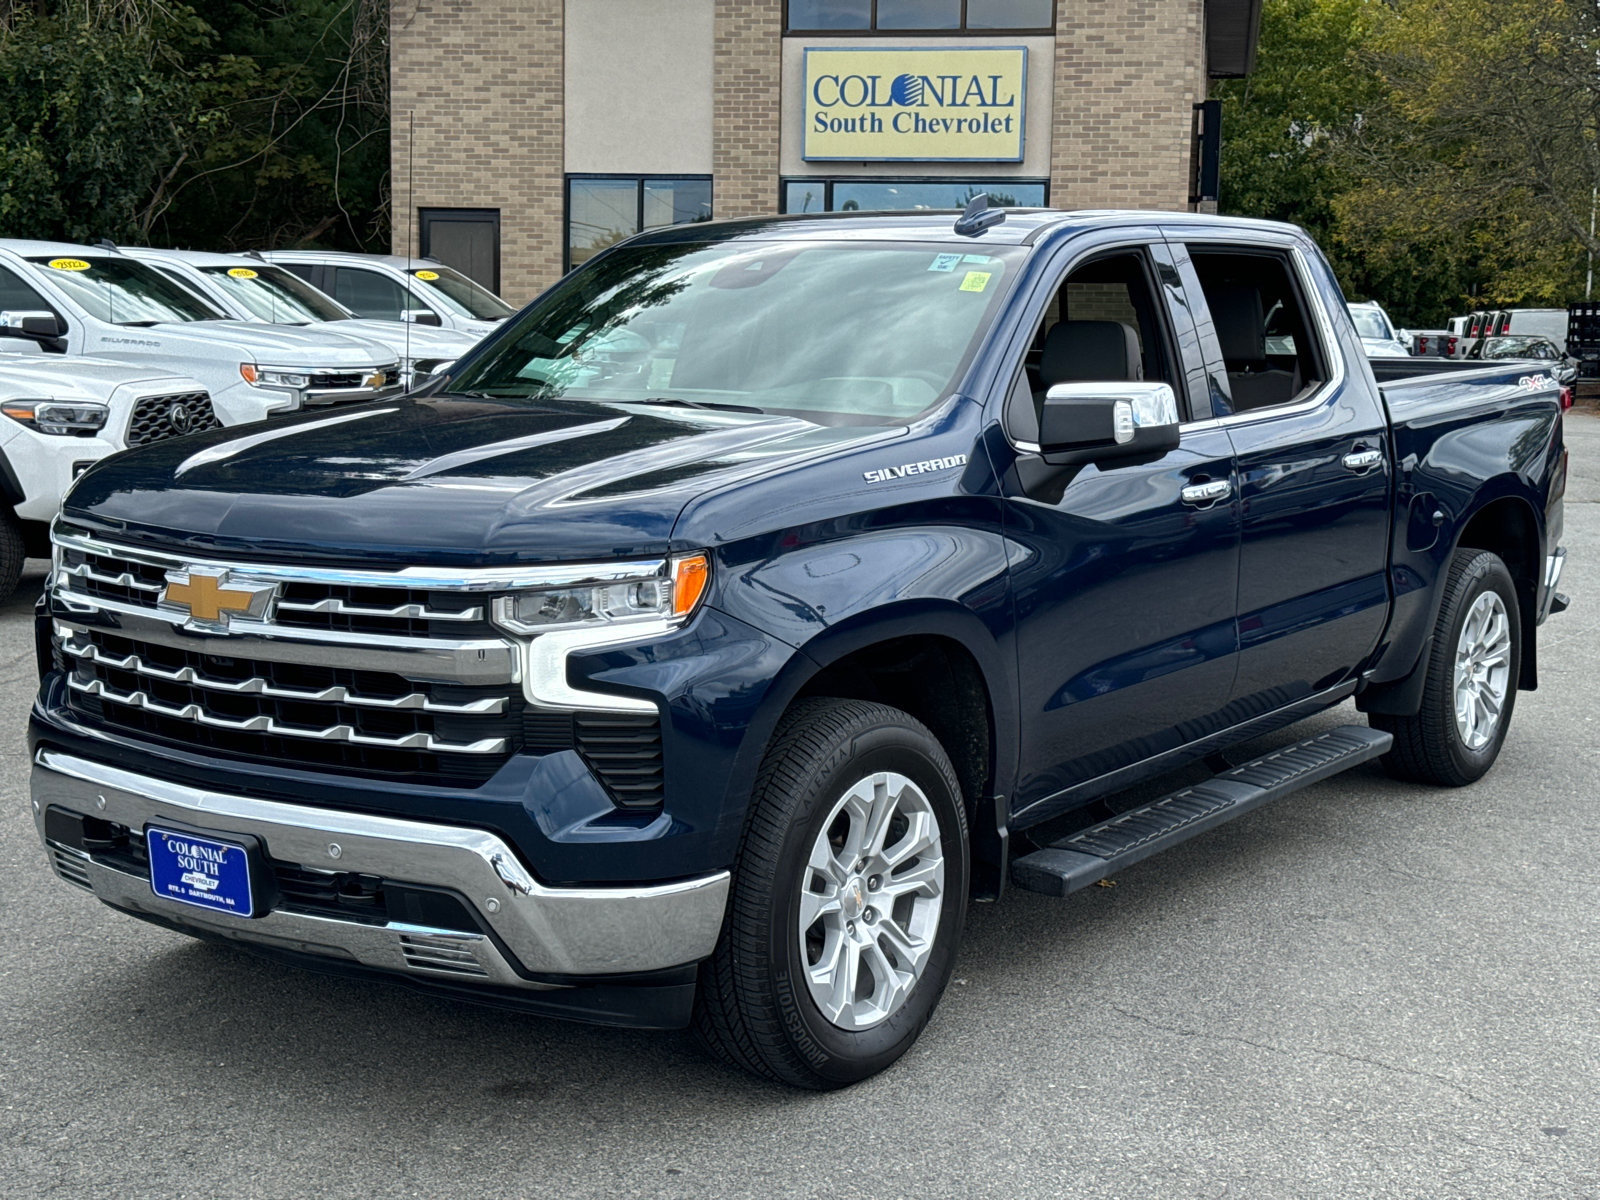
{"type": "Point", "coordinates": [976, 281]}
{"type": "Point", "coordinates": [69, 264]}
{"type": "Point", "coordinates": [241, 273]}
{"type": "Point", "coordinates": [427, 276]}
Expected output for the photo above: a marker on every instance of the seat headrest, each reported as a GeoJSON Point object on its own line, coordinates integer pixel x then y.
{"type": "Point", "coordinates": [1240, 322]}
{"type": "Point", "coordinates": [1090, 352]}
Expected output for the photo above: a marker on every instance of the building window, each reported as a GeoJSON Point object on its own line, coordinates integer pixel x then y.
{"type": "Point", "coordinates": [467, 239]}
{"type": "Point", "coordinates": [920, 16]}
{"type": "Point", "coordinates": [819, 194]}
{"type": "Point", "coordinates": [604, 209]}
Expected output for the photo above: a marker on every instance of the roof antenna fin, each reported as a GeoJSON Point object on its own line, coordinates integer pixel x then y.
{"type": "Point", "coordinates": [979, 216]}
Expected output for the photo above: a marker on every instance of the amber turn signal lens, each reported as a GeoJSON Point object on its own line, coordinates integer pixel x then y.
{"type": "Point", "coordinates": [689, 578]}
{"type": "Point", "coordinates": [248, 372]}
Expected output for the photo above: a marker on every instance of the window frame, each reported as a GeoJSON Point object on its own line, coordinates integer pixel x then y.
{"type": "Point", "coordinates": [828, 181]}
{"type": "Point", "coordinates": [488, 216]}
{"type": "Point", "coordinates": [1329, 349]}
{"type": "Point", "coordinates": [639, 180]}
{"type": "Point", "coordinates": [1052, 279]}
{"type": "Point", "coordinates": [872, 31]}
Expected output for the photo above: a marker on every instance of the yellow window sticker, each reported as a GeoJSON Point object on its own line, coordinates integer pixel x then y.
{"type": "Point", "coordinates": [976, 281]}
{"type": "Point", "coordinates": [69, 264]}
{"type": "Point", "coordinates": [427, 276]}
{"type": "Point", "coordinates": [241, 273]}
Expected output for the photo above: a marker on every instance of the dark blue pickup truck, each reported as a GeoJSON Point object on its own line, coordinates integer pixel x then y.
{"type": "Point", "coordinates": [766, 592]}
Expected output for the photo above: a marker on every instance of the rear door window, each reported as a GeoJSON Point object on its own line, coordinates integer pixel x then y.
{"type": "Point", "coordinates": [371, 295]}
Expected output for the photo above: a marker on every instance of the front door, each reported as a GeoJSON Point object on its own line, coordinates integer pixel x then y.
{"type": "Point", "coordinates": [1125, 576]}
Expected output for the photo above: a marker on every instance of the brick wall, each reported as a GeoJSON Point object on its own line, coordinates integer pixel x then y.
{"type": "Point", "coordinates": [746, 104]}
{"type": "Point", "coordinates": [484, 79]}
{"type": "Point", "coordinates": [1127, 76]}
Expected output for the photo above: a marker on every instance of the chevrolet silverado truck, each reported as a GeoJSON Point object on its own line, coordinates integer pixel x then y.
{"type": "Point", "coordinates": [698, 647]}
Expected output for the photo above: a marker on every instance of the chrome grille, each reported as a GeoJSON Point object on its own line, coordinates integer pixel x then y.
{"type": "Point", "coordinates": [397, 674]}
{"type": "Point", "coordinates": [156, 418]}
{"type": "Point", "coordinates": [291, 712]}
{"type": "Point", "coordinates": [451, 955]}
{"type": "Point", "coordinates": [72, 865]}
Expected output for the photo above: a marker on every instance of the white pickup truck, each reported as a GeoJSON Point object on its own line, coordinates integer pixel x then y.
{"type": "Point", "coordinates": [58, 418]}
{"type": "Point", "coordinates": [82, 300]}
{"type": "Point", "coordinates": [248, 288]}
{"type": "Point", "coordinates": [390, 287]}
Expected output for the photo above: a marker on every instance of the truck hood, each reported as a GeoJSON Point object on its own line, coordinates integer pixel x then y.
{"type": "Point", "coordinates": [272, 345]}
{"type": "Point", "coordinates": [55, 377]}
{"type": "Point", "coordinates": [444, 480]}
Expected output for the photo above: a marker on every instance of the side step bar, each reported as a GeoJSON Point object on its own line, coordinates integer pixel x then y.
{"type": "Point", "coordinates": [1092, 854]}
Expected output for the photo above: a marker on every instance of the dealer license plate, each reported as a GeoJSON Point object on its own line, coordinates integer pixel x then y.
{"type": "Point", "coordinates": [199, 871]}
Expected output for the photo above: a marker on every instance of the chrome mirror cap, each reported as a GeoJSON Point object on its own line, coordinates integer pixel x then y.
{"type": "Point", "coordinates": [1151, 404]}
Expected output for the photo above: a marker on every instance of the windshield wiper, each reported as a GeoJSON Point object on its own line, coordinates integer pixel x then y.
{"type": "Point", "coordinates": [677, 402]}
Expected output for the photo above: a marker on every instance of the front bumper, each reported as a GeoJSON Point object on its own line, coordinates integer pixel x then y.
{"type": "Point", "coordinates": [528, 938]}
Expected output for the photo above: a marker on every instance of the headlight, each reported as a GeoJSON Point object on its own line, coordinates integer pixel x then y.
{"type": "Point", "coordinates": [673, 594]}
{"type": "Point", "coordinates": [273, 377]}
{"type": "Point", "coordinates": [77, 418]}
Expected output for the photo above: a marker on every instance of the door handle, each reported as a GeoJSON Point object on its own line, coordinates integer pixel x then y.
{"type": "Point", "coordinates": [1361, 460]}
{"type": "Point", "coordinates": [1207, 493]}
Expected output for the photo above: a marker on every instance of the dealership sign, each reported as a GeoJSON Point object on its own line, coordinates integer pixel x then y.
{"type": "Point", "coordinates": [926, 105]}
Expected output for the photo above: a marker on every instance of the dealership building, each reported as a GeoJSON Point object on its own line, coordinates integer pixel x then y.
{"type": "Point", "coordinates": [530, 134]}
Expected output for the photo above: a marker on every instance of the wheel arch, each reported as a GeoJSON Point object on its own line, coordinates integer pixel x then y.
{"type": "Point", "coordinates": [936, 661]}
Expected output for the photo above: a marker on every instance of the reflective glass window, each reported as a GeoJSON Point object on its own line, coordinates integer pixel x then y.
{"type": "Point", "coordinates": [919, 14]}
{"type": "Point", "coordinates": [603, 211]}
{"type": "Point", "coordinates": [830, 14]}
{"type": "Point", "coordinates": [1009, 14]}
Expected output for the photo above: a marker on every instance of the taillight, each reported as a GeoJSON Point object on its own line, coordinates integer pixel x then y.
{"type": "Point", "coordinates": [1566, 398]}
{"type": "Point", "coordinates": [1451, 348]}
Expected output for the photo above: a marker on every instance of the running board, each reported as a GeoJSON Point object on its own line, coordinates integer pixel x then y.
{"type": "Point", "coordinates": [1091, 854]}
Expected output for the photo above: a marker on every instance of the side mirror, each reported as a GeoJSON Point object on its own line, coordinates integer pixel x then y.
{"type": "Point", "coordinates": [29, 323]}
{"type": "Point", "coordinates": [1093, 422]}
{"type": "Point", "coordinates": [421, 316]}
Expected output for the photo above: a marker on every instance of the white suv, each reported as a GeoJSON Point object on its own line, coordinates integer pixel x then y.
{"type": "Point", "coordinates": [248, 288]}
{"type": "Point", "coordinates": [58, 417]}
{"type": "Point", "coordinates": [390, 287]}
{"type": "Point", "coordinates": [78, 300]}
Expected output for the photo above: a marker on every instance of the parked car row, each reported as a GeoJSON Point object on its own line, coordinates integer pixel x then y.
{"type": "Point", "coordinates": [105, 347]}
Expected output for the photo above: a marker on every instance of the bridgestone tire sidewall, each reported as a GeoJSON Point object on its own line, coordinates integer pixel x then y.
{"type": "Point", "coordinates": [1487, 573]}
{"type": "Point", "coordinates": [840, 1055]}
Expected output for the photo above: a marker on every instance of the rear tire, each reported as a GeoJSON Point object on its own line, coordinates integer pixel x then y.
{"type": "Point", "coordinates": [1471, 685]}
{"type": "Point", "coordinates": [848, 900]}
{"type": "Point", "coordinates": [13, 550]}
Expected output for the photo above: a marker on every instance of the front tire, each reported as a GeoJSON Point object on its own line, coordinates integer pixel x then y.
{"type": "Point", "coordinates": [848, 900]}
{"type": "Point", "coordinates": [13, 551]}
{"type": "Point", "coordinates": [1471, 685]}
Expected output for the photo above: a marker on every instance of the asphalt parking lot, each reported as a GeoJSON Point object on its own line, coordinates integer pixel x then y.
{"type": "Point", "coordinates": [1366, 989]}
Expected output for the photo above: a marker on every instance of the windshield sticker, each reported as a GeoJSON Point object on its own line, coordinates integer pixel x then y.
{"type": "Point", "coordinates": [427, 276]}
{"type": "Point", "coordinates": [975, 281]}
{"type": "Point", "coordinates": [944, 262]}
{"type": "Point", "coordinates": [977, 258]}
{"type": "Point", "coordinates": [241, 273]}
{"type": "Point", "coordinates": [69, 264]}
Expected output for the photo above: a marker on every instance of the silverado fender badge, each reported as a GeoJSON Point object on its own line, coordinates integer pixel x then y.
{"type": "Point", "coordinates": [916, 468]}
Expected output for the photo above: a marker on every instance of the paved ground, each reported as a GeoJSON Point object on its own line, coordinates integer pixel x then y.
{"type": "Point", "coordinates": [1366, 990]}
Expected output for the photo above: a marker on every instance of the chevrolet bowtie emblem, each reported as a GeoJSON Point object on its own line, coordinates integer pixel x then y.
{"type": "Point", "coordinates": [208, 598]}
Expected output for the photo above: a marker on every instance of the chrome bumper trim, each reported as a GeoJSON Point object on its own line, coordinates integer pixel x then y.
{"type": "Point", "coordinates": [565, 931]}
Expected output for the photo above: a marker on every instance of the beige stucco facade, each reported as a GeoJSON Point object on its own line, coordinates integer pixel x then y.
{"type": "Point", "coordinates": [512, 98]}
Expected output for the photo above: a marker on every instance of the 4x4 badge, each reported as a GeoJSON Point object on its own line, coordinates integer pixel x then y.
{"type": "Point", "coordinates": [209, 598]}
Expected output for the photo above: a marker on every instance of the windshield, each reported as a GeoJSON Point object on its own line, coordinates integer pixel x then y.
{"type": "Point", "coordinates": [273, 294]}
{"type": "Point", "coordinates": [121, 291]}
{"type": "Point", "coordinates": [1370, 324]}
{"type": "Point", "coordinates": [839, 333]}
{"type": "Point", "coordinates": [461, 296]}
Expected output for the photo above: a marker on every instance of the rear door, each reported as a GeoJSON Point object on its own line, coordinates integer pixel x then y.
{"type": "Point", "coordinates": [1124, 576]}
{"type": "Point", "coordinates": [1312, 453]}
